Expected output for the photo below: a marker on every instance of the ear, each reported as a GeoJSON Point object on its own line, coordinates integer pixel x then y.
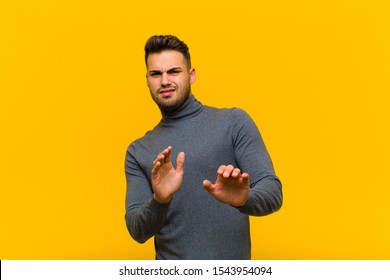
{"type": "Point", "coordinates": [192, 75]}
{"type": "Point", "coordinates": [147, 80]}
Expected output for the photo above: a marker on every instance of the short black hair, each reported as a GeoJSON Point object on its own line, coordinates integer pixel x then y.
{"type": "Point", "coordinates": [159, 43]}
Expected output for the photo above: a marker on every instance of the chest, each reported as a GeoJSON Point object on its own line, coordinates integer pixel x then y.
{"type": "Point", "coordinates": [205, 144]}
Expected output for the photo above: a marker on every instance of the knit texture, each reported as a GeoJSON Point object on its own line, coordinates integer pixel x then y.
{"type": "Point", "coordinates": [194, 225]}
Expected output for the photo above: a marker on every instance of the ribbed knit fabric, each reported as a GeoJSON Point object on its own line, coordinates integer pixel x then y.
{"type": "Point", "coordinates": [194, 225]}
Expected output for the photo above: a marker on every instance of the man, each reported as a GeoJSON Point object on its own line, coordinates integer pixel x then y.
{"type": "Point", "coordinates": [193, 180]}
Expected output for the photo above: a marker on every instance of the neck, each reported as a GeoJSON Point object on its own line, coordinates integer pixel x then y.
{"type": "Point", "coordinates": [190, 108]}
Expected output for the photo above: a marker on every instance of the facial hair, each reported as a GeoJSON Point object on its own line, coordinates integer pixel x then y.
{"type": "Point", "coordinates": [171, 105]}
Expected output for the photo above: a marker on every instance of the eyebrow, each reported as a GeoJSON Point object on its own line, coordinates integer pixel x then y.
{"type": "Point", "coordinates": [168, 71]}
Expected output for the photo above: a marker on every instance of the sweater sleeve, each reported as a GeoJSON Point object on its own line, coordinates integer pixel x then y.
{"type": "Point", "coordinates": [265, 196]}
{"type": "Point", "coordinates": [144, 215]}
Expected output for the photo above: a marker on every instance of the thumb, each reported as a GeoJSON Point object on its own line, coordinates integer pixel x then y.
{"type": "Point", "coordinates": [208, 186]}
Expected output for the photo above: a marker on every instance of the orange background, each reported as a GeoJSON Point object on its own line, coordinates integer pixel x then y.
{"type": "Point", "coordinates": [314, 75]}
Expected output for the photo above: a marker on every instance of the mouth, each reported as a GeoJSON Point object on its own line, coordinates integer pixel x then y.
{"type": "Point", "coordinates": [167, 92]}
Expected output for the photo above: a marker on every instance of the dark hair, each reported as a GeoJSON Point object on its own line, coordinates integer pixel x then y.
{"type": "Point", "coordinates": [159, 43]}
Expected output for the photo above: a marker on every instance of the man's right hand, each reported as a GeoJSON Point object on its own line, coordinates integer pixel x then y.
{"type": "Point", "coordinates": [166, 180]}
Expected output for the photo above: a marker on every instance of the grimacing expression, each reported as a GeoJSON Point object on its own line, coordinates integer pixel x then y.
{"type": "Point", "coordinates": [169, 79]}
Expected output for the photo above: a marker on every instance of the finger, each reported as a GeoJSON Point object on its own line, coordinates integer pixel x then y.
{"type": "Point", "coordinates": [156, 168]}
{"type": "Point", "coordinates": [236, 173]}
{"type": "Point", "coordinates": [159, 158]}
{"type": "Point", "coordinates": [156, 159]}
{"type": "Point", "coordinates": [164, 153]}
{"type": "Point", "coordinates": [228, 171]}
{"type": "Point", "coordinates": [221, 169]}
{"type": "Point", "coordinates": [245, 177]}
{"type": "Point", "coordinates": [167, 154]}
{"type": "Point", "coordinates": [180, 162]}
{"type": "Point", "coordinates": [208, 186]}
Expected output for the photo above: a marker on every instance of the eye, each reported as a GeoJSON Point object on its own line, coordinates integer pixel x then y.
{"type": "Point", "coordinates": [174, 72]}
{"type": "Point", "coordinates": [154, 74]}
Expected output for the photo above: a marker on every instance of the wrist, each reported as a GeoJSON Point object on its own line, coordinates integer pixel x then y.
{"type": "Point", "coordinates": [239, 204]}
{"type": "Point", "coordinates": [162, 200]}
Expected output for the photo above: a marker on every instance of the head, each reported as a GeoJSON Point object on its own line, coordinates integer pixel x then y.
{"type": "Point", "coordinates": [169, 72]}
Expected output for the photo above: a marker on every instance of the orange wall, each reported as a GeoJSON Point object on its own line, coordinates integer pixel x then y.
{"type": "Point", "coordinates": [314, 75]}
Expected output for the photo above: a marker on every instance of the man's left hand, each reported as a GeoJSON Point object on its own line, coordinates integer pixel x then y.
{"type": "Point", "coordinates": [231, 186]}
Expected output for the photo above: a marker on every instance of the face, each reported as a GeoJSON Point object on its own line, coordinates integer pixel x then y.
{"type": "Point", "coordinates": [169, 79]}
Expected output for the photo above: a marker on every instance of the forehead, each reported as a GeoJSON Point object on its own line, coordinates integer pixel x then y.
{"type": "Point", "coordinates": [165, 60]}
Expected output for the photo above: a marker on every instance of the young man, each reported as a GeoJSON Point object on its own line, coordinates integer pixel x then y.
{"type": "Point", "coordinates": [193, 180]}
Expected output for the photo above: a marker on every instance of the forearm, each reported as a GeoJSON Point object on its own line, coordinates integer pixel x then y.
{"type": "Point", "coordinates": [146, 221]}
{"type": "Point", "coordinates": [265, 197]}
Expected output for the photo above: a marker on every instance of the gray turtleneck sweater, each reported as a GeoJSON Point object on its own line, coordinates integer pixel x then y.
{"type": "Point", "coordinates": [194, 225]}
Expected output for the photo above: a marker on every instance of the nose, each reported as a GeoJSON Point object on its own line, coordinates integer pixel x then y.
{"type": "Point", "coordinates": [165, 81]}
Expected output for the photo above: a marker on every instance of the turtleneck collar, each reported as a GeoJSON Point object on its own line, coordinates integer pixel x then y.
{"type": "Point", "coordinates": [190, 108]}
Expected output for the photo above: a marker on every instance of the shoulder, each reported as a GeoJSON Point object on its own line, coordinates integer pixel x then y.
{"type": "Point", "coordinates": [234, 115]}
{"type": "Point", "coordinates": [239, 114]}
{"type": "Point", "coordinates": [142, 143]}
{"type": "Point", "coordinates": [233, 112]}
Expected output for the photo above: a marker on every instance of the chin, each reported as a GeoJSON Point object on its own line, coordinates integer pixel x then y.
{"type": "Point", "coordinates": [170, 105]}
{"type": "Point", "coordinates": [167, 107]}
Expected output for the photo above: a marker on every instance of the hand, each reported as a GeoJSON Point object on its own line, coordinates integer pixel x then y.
{"type": "Point", "coordinates": [166, 180]}
{"type": "Point", "coordinates": [231, 186]}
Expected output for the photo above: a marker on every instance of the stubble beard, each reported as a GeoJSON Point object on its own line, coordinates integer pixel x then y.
{"type": "Point", "coordinates": [169, 105]}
